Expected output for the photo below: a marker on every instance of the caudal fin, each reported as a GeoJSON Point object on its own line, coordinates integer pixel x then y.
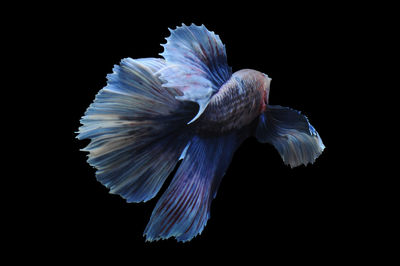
{"type": "Point", "coordinates": [137, 130]}
{"type": "Point", "coordinates": [291, 134]}
{"type": "Point", "coordinates": [184, 208]}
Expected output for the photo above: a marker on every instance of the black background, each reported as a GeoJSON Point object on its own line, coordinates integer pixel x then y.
{"type": "Point", "coordinates": [263, 208]}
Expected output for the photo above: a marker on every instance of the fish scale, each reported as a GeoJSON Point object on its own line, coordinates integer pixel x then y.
{"type": "Point", "coordinates": [188, 106]}
{"type": "Point", "coordinates": [235, 105]}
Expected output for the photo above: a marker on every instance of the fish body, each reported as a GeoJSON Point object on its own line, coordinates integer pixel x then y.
{"type": "Point", "coordinates": [187, 106]}
{"type": "Point", "coordinates": [237, 103]}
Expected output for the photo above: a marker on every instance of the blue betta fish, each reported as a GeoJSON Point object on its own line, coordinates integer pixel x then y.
{"type": "Point", "coordinates": [188, 106]}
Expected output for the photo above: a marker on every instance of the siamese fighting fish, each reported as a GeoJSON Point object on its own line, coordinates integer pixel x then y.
{"type": "Point", "coordinates": [187, 106]}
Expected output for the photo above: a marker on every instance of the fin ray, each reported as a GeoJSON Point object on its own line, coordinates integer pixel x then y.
{"type": "Point", "coordinates": [132, 121]}
{"type": "Point", "coordinates": [196, 64]}
{"type": "Point", "coordinates": [291, 134]}
{"type": "Point", "coordinates": [184, 208]}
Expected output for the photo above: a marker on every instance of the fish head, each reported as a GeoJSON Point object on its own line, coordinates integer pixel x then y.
{"type": "Point", "coordinates": [263, 87]}
{"type": "Point", "coordinates": [266, 87]}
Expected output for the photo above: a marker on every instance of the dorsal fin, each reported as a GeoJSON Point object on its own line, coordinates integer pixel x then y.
{"type": "Point", "coordinates": [196, 64]}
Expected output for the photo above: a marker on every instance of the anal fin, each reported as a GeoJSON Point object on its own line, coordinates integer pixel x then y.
{"type": "Point", "coordinates": [184, 208]}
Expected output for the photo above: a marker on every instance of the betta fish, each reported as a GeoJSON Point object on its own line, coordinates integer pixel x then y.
{"type": "Point", "coordinates": [187, 106]}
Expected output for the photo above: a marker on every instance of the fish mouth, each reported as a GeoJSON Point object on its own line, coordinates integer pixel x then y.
{"type": "Point", "coordinates": [267, 84]}
{"type": "Point", "coordinates": [267, 81]}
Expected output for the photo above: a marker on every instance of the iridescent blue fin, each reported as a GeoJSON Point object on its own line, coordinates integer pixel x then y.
{"type": "Point", "coordinates": [291, 134]}
{"type": "Point", "coordinates": [136, 128]}
{"type": "Point", "coordinates": [196, 64]}
{"type": "Point", "coordinates": [184, 208]}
